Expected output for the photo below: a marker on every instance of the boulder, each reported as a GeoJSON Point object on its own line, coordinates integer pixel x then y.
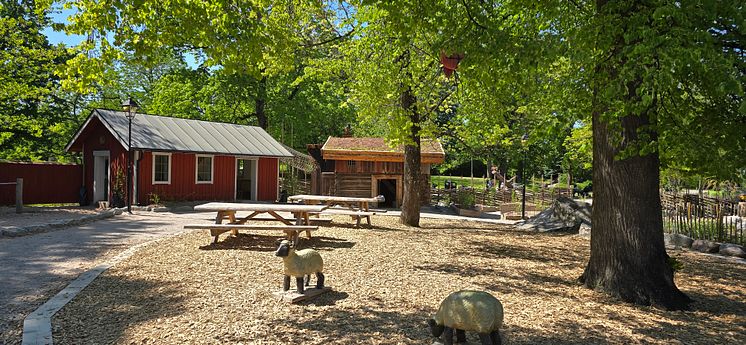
{"type": "Point", "coordinates": [565, 214]}
{"type": "Point", "coordinates": [678, 240]}
{"type": "Point", "coordinates": [730, 249]}
{"type": "Point", "coordinates": [705, 246]}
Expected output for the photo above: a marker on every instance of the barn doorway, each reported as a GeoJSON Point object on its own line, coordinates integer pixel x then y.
{"type": "Point", "coordinates": [387, 188]}
{"type": "Point", "coordinates": [101, 173]}
{"type": "Point", "coordinates": [246, 179]}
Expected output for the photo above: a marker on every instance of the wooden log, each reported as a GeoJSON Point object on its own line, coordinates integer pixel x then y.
{"type": "Point", "coordinates": [292, 296]}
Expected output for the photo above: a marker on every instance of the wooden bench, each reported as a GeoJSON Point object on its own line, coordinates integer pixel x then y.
{"type": "Point", "coordinates": [320, 221]}
{"type": "Point", "coordinates": [291, 231]}
{"type": "Point", "coordinates": [357, 215]}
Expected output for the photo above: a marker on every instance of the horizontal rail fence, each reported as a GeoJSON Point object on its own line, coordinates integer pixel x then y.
{"type": "Point", "coordinates": [538, 198]}
{"type": "Point", "coordinates": [703, 218]}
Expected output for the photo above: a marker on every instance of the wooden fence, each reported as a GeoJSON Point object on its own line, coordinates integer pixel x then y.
{"type": "Point", "coordinates": [538, 198]}
{"type": "Point", "coordinates": [703, 218]}
{"type": "Point", "coordinates": [43, 183]}
{"type": "Point", "coordinates": [296, 183]}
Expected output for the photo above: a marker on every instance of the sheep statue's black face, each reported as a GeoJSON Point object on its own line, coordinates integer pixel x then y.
{"type": "Point", "coordinates": [300, 264]}
{"type": "Point", "coordinates": [284, 249]}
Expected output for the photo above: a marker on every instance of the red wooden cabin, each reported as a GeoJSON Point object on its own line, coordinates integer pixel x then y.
{"type": "Point", "coordinates": [177, 159]}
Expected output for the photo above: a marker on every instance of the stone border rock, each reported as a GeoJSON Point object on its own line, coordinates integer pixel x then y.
{"type": "Point", "coordinates": [729, 251]}
{"type": "Point", "coordinates": [17, 231]}
{"type": "Point", "coordinates": [37, 326]}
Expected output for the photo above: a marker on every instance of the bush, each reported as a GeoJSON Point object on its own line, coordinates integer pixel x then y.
{"type": "Point", "coordinates": [464, 198]}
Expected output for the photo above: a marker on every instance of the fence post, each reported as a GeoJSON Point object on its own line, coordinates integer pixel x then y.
{"type": "Point", "coordinates": [19, 195]}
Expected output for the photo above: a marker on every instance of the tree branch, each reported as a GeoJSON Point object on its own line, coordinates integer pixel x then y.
{"type": "Point", "coordinates": [471, 18]}
{"type": "Point", "coordinates": [335, 38]}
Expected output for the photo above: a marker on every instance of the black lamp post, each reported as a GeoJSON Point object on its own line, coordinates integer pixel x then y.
{"type": "Point", "coordinates": [130, 108]}
{"type": "Point", "coordinates": [523, 177]}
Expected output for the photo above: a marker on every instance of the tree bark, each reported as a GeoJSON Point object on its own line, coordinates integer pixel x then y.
{"type": "Point", "coordinates": [628, 257]}
{"type": "Point", "coordinates": [261, 102]}
{"type": "Point", "coordinates": [410, 208]}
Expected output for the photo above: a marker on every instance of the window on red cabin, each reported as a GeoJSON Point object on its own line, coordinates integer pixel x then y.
{"type": "Point", "coordinates": [161, 168]}
{"type": "Point", "coordinates": [204, 169]}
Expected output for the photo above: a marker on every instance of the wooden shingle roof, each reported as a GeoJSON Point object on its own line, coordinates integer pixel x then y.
{"type": "Point", "coordinates": [376, 149]}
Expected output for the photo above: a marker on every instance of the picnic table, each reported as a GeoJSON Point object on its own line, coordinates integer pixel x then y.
{"type": "Point", "coordinates": [228, 211]}
{"type": "Point", "coordinates": [361, 204]}
{"type": "Point", "coordinates": [357, 208]}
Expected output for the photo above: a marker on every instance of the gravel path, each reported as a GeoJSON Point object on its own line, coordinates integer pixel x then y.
{"type": "Point", "coordinates": [36, 267]}
{"type": "Point", "coordinates": [387, 281]}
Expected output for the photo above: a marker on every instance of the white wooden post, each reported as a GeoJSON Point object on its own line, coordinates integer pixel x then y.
{"type": "Point", "coordinates": [19, 195]}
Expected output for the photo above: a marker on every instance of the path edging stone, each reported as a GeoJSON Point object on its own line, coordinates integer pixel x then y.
{"type": "Point", "coordinates": [37, 326]}
{"type": "Point", "coordinates": [18, 231]}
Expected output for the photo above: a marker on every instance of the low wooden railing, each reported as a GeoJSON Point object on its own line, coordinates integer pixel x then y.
{"type": "Point", "coordinates": [19, 193]}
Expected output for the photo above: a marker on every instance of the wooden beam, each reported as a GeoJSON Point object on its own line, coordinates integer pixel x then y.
{"type": "Point", "coordinates": [380, 157]}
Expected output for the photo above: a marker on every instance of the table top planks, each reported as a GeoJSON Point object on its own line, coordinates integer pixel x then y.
{"type": "Point", "coordinates": [305, 197]}
{"type": "Point", "coordinates": [257, 207]}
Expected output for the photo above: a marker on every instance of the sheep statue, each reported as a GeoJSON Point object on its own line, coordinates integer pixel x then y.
{"type": "Point", "coordinates": [299, 264]}
{"type": "Point", "coordinates": [473, 311]}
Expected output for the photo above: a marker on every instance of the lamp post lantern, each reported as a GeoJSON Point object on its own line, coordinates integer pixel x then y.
{"type": "Point", "coordinates": [524, 139]}
{"type": "Point", "coordinates": [130, 108]}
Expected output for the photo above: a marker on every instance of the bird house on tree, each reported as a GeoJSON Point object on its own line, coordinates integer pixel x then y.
{"type": "Point", "coordinates": [450, 62]}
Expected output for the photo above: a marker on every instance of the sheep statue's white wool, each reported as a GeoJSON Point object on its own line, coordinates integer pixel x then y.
{"type": "Point", "coordinates": [466, 310]}
{"type": "Point", "coordinates": [299, 264]}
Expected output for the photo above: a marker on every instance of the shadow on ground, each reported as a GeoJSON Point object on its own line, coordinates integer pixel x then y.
{"type": "Point", "coordinates": [266, 243]}
{"type": "Point", "coordinates": [122, 302]}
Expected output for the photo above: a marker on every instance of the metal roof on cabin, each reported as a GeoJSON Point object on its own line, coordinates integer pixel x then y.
{"type": "Point", "coordinates": [160, 133]}
{"type": "Point", "coordinates": [377, 144]}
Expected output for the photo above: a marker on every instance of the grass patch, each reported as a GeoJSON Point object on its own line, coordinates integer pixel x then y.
{"type": "Point", "coordinates": [476, 182]}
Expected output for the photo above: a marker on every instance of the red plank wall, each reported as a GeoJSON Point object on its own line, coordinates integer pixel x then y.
{"type": "Point", "coordinates": [98, 138]}
{"type": "Point", "coordinates": [42, 182]}
{"type": "Point", "coordinates": [183, 184]}
{"type": "Point", "coordinates": [267, 179]}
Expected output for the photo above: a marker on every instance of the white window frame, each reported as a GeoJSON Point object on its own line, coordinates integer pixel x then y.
{"type": "Point", "coordinates": [196, 169]}
{"type": "Point", "coordinates": [170, 168]}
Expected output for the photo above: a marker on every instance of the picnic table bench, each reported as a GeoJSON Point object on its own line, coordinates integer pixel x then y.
{"type": "Point", "coordinates": [228, 211]}
{"type": "Point", "coordinates": [357, 215]}
{"type": "Point", "coordinates": [355, 207]}
{"type": "Point", "coordinates": [354, 203]}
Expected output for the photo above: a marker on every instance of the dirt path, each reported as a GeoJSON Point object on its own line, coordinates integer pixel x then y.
{"type": "Point", "coordinates": [36, 267]}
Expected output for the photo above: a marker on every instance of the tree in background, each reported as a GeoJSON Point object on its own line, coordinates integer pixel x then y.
{"type": "Point", "coordinates": [35, 116]}
{"type": "Point", "coordinates": [397, 82]}
{"type": "Point", "coordinates": [256, 58]}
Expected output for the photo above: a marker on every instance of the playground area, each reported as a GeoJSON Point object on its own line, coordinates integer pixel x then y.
{"type": "Point", "coordinates": [387, 281]}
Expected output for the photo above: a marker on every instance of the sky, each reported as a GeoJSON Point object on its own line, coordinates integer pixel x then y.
{"type": "Point", "coordinates": [60, 16]}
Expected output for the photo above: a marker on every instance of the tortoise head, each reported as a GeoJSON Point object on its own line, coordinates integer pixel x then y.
{"type": "Point", "coordinates": [435, 328]}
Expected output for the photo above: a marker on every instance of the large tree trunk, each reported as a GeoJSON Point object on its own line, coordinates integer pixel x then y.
{"type": "Point", "coordinates": [410, 208]}
{"type": "Point", "coordinates": [261, 101]}
{"type": "Point", "coordinates": [628, 257]}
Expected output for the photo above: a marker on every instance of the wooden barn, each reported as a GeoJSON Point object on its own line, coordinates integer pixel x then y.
{"type": "Point", "coordinates": [367, 167]}
{"type": "Point", "coordinates": [177, 159]}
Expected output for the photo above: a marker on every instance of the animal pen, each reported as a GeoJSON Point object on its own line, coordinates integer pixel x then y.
{"type": "Point", "coordinates": [296, 173]}
{"type": "Point", "coordinates": [507, 200]}
{"type": "Point", "coordinates": [705, 218]}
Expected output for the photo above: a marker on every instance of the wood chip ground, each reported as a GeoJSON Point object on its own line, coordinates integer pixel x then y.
{"type": "Point", "coordinates": [387, 282]}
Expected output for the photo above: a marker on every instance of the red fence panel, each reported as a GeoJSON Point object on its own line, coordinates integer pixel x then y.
{"type": "Point", "coordinates": [42, 182]}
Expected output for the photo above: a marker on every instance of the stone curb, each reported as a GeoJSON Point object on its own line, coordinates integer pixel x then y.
{"type": "Point", "coordinates": [18, 231]}
{"type": "Point", "coordinates": [37, 326]}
